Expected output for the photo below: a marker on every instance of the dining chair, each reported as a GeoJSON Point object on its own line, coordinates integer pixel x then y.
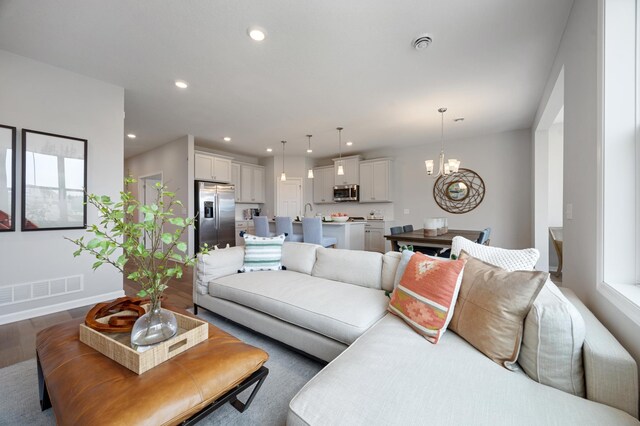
{"type": "Point", "coordinates": [556, 237]}
{"type": "Point", "coordinates": [312, 233]}
{"type": "Point", "coordinates": [407, 228]}
{"type": "Point", "coordinates": [261, 223]}
{"type": "Point", "coordinates": [484, 236]}
{"type": "Point", "coordinates": [284, 225]}
{"type": "Point", "coordinates": [396, 230]}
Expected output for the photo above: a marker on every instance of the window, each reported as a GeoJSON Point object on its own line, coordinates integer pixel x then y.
{"type": "Point", "coordinates": [620, 173]}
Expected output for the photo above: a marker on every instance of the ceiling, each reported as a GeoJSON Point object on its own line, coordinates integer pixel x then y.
{"type": "Point", "coordinates": [323, 64]}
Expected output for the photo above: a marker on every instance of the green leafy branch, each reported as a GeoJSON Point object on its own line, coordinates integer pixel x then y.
{"type": "Point", "coordinates": [118, 229]}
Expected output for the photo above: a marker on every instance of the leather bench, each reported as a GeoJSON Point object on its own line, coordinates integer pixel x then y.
{"type": "Point", "coordinates": [85, 387]}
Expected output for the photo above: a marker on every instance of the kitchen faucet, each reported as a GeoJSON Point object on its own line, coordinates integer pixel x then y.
{"type": "Point", "coordinates": [305, 208]}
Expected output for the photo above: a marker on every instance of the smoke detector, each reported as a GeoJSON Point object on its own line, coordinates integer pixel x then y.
{"type": "Point", "coordinates": [422, 42]}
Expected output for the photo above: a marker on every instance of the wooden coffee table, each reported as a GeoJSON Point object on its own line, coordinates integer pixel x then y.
{"type": "Point", "coordinates": [85, 387]}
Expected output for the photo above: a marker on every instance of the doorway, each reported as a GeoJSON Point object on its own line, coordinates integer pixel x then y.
{"type": "Point", "coordinates": [289, 197]}
{"type": "Point", "coordinates": [548, 181]}
{"type": "Point", "coordinates": [147, 194]}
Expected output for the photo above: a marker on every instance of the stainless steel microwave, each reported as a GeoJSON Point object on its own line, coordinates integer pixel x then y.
{"type": "Point", "coordinates": [346, 193]}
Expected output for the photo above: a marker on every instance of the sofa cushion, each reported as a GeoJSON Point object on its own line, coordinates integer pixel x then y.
{"type": "Point", "coordinates": [262, 253]}
{"type": "Point", "coordinates": [427, 294]}
{"type": "Point", "coordinates": [510, 260]}
{"type": "Point", "coordinates": [217, 263]}
{"type": "Point", "coordinates": [390, 262]}
{"type": "Point", "coordinates": [554, 333]}
{"type": "Point", "coordinates": [299, 257]}
{"type": "Point", "coordinates": [554, 330]}
{"type": "Point", "coordinates": [392, 376]}
{"type": "Point", "coordinates": [333, 309]}
{"type": "Point", "coordinates": [363, 268]}
{"type": "Point", "coordinates": [491, 308]}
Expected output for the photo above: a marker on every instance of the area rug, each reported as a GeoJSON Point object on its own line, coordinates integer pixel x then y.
{"type": "Point", "coordinates": [288, 372]}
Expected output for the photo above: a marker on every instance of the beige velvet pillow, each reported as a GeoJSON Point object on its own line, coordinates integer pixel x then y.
{"type": "Point", "coordinates": [491, 308]}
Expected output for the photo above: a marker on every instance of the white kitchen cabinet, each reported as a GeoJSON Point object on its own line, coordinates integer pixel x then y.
{"type": "Point", "coordinates": [375, 181]}
{"type": "Point", "coordinates": [251, 184]}
{"type": "Point", "coordinates": [235, 179]}
{"type": "Point", "coordinates": [246, 226]}
{"type": "Point", "coordinates": [374, 232]}
{"type": "Point", "coordinates": [323, 182]}
{"type": "Point", "coordinates": [212, 167]}
{"type": "Point", "coordinates": [351, 167]}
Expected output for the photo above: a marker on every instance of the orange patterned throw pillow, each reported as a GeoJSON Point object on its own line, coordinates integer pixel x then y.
{"type": "Point", "coordinates": [426, 294]}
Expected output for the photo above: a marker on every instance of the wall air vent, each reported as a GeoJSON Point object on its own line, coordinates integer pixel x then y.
{"type": "Point", "coordinates": [24, 292]}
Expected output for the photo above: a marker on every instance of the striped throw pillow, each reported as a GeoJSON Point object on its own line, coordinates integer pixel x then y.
{"type": "Point", "coordinates": [427, 293]}
{"type": "Point", "coordinates": [262, 253]}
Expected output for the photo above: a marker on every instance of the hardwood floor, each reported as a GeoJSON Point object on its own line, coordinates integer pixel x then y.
{"type": "Point", "coordinates": [18, 339]}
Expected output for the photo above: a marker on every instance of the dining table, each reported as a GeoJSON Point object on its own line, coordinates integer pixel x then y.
{"type": "Point", "coordinates": [417, 237]}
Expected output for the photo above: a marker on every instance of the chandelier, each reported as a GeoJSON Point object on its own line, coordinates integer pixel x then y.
{"type": "Point", "coordinates": [445, 167]}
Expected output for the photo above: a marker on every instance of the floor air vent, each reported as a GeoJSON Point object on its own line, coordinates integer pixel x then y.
{"type": "Point", "coordinates": [18, 293]}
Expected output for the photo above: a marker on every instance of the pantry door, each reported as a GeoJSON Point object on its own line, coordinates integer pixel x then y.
{"type": "Point", "coordinates": [289, 197]}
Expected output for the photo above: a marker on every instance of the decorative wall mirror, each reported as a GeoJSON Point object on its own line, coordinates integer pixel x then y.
{"type": "Point", "coordinates": [7, 178]}
{"type": "Point", "coordinates": [459, 192]}
{"type": "Point", "coordinates": [54, 176]}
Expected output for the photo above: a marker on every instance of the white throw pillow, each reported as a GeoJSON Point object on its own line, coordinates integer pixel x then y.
{"type": "Point", "coordinates": [551, 351]}
{"type": "Point", "coordinates": [262, 253]}
{"type": "Point", "coordinates": [554, 330]}
{"type": "Point", "coordinates": [511, 260]}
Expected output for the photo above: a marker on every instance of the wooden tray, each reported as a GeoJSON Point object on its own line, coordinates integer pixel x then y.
{"type": "Point", "coordinates": [117, 346]}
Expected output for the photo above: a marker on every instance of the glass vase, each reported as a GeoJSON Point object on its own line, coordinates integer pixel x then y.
{"type": "Point", "coordinates": [156, 326]}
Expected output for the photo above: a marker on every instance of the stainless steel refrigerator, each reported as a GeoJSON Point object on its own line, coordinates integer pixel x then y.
{"type": "Point", "coordinates": [215, 215]}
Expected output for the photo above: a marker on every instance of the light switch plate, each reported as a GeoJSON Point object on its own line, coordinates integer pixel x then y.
{"type": "Point", "coordinates": [568, 213]}
{"type": "Point", "coordinates": [406, 211]}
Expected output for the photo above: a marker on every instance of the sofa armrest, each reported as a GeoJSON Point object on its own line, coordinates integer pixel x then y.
{"type": "Point", "coordinates": [611, 375]}
{"type": "Point", "coordinates": [216, 264]}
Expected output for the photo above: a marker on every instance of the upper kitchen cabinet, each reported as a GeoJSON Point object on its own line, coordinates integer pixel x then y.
{"type": "Point", "coordinates": [212, 167]}
{"type": "Point", "coordinates": [235, 180]}
{"type": "Point", "coordinates": [351, 167]}
{"type": "Point", "coordinates": [251, 184]}
{"type": "Point", "coordinates": [323, 182]}
{"type": "Point", "coordinates": [375, 181]}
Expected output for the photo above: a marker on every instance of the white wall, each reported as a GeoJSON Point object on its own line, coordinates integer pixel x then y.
{"type": "Point", "coordinates": [41, 97]}
{"type": "Point", "coordinates": [578, 53]}
{"type": "Point", "coordinates": [503, 161]}
{"type": "Point", "coordinates": [172, 161]}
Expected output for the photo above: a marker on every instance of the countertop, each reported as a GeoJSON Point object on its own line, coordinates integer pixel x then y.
{"type": "Point", "coordinates": [328, 223]}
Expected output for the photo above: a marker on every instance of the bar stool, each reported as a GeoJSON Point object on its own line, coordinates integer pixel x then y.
{"type": "Point", "coordinates": [284, 225]}
{"type": "Point", "coordinates": [261, 224]}
{"type": "Point", "coordinates": [312, 232]}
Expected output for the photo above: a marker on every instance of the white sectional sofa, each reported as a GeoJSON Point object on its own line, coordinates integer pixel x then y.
{"type": "Point", "coordinates": [332, 305]}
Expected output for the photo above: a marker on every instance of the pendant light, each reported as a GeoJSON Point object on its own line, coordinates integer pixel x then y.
{"type": "Point", "coordinates": [283, 176]}
{"type": "Point", "coordinates": [444, 167]}
{"type": "Point", "coordinates": [340, 168]}
{"type": "Point", "coordinates": [309, 151]}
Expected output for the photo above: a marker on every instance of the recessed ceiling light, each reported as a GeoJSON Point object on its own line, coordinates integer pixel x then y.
{"type": "Point", "coordinates": [269, 149]}
{"type": "Point", "coordinates": [131, 136]}
{"type": "Point", "coordinates": [309, 151]}
{"type": "Point", "coordinates": [181, 84]}
{"type": "Point", "coordinates": [257, 34]}
{"type": "Point", "coordinates": [349, 143]}
{"type": "Point", "coordinates": [227, 139]}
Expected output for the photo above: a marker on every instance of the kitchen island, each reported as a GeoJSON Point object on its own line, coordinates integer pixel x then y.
{"type": "Point", "coordinates": [350, 235]}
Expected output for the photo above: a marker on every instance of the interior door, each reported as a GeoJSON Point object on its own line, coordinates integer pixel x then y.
{"type": "Point", "coordinates": [290, 197]}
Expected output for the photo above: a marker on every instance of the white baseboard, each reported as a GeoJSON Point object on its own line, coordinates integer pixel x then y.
{"type": "Point", "coordinates": [50, 309]}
